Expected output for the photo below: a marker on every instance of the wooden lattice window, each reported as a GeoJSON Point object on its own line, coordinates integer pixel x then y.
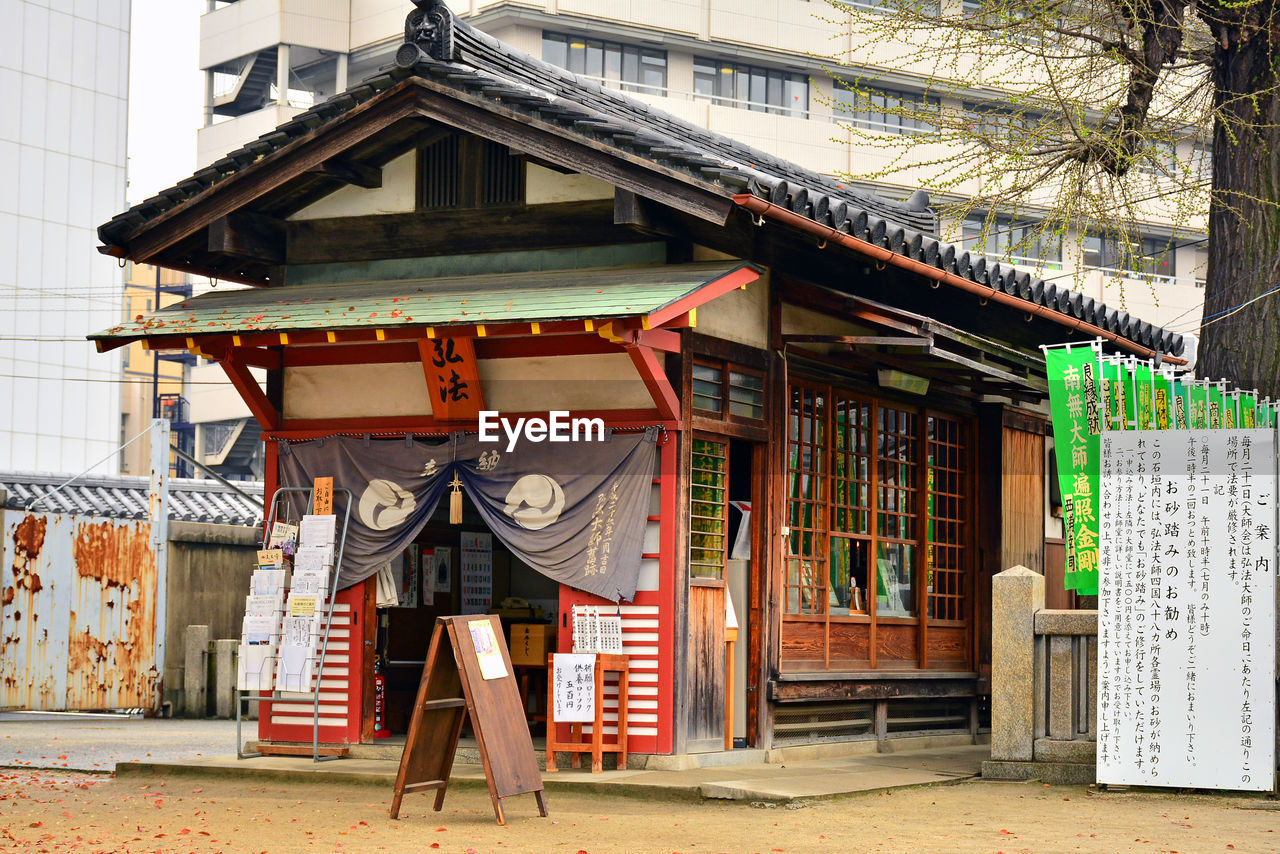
{"type": "Point", "coordinates": [858, 470]}
{"type": "Point", "coordinates": [850, 523]}
{"type": "Point", "coordinates": [457, 171]}
{"type": "Point", "coordinates": [728, 392]}
{"type": "Point", "coordinates": [709, 508]}
{"type": "Point", "coordinates": [806, 588]}
{"type": "Point", "coordinates": [896, 511]}
{"type": "Point", "coordinates": [948, 511]}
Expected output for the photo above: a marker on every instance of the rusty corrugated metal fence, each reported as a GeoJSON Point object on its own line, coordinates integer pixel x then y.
{"type": "Point", "coordinates": [80, 613]}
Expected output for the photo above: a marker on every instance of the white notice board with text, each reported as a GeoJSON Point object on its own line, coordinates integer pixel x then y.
{"type": "Point", "coordinates": [1187, 609]}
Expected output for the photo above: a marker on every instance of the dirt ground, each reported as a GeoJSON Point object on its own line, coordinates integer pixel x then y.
{"type": "Point", "coordinates": [53, 811]}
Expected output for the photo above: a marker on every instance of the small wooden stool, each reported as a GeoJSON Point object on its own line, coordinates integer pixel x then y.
{"type": "Point", "coordinates": [605, 663]}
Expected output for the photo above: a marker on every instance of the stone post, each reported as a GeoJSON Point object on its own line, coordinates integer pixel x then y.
{"type": "Point", "coordinates": [224, 676]}
{"type": "Point", "coordinates": [1016, 595]}
{"type": "Point", "coordinates": [194, 674]}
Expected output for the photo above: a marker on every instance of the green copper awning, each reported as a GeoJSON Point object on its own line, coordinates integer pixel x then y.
{"type": "Point", "coordinates": [659, 293]}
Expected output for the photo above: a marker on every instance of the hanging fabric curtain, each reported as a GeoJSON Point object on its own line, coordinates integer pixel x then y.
{"type": "Point", "coordinates": [574, 511]}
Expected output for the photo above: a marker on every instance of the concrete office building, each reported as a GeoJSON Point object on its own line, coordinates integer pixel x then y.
{"type": "Point", "coordinates": [748, 69]}
{"type": "Point", "coordinates": [64, 79]}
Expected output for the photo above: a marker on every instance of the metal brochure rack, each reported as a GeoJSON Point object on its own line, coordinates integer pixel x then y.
{"type": "Point", "coordinates": [252, 696]}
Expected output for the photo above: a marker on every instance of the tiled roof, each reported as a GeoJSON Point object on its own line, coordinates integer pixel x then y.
{"type": "Point", "coordinates": [485, 70]}
{"type": "Point", "coordinates": [539, 296]}
{"type": "Point", "coordinates": [125, 497]}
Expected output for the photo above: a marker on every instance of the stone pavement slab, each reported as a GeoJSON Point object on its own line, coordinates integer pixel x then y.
{"type": "Point", "coordinates": [136, 746]}
{"type": "Point", "coordinates": [779, 783]}
{"type": "Point", "coordinates": [97, 742]}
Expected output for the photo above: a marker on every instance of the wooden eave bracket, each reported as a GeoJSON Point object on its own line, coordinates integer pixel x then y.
{"type": "Point", "coordinates": [731, 281]}
{"type": "Point", "coordinates": [655, 380]}
{"type": "Point", "coordinates": [246, 384]}
{"type": "Point", "coordinates": [350, 172]}
{"type": "Point", "coordinates": [248, 235]}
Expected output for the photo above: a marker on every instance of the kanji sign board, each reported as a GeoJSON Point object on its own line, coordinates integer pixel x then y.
{"type": "Point", "coordinates": [1187, 609]}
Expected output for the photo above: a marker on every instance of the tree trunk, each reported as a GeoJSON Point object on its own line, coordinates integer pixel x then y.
{"type": "Point", "coordinates": [1244, 223]}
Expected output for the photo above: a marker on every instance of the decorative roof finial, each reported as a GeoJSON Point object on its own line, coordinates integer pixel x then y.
{"type": "Point", "coordinates": [428, 34]}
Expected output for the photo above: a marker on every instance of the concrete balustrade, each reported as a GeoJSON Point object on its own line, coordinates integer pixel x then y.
{"type": "Point", "coordinates": [1043, 685]}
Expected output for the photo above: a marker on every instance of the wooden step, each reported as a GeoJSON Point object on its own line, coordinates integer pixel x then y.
{"type": "Point", "coordinates": [300, 750]}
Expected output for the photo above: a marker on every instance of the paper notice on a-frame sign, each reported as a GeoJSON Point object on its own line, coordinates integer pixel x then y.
{"type": "Point", "coordinates": [487, 651]}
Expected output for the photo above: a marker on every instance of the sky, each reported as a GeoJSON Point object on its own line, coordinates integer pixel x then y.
{"type": "Point", "coordinates": [166, 94]}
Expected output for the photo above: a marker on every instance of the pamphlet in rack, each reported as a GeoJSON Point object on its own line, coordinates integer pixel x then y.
{"type": "Point", "coordinates": [290, 606]}
{"type": "Point", "coordinates": [301, 627]}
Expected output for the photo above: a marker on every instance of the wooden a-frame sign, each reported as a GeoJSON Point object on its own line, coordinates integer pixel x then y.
{"type": "Point", "coordinates": [452, 687]}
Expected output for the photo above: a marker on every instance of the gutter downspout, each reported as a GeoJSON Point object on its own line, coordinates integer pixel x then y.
{"type": "Point", "coordinates": [764, 208]}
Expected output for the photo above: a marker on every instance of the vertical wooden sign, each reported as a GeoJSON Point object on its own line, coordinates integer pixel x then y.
{"type": "Point", "coordinates": [468, 673]}
{"type": "Point", "coordinates": [453, 378]}
{"type": "Point", "coordinates": [322, 496]}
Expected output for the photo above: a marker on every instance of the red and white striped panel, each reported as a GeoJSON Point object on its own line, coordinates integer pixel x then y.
{"type": "Point", "coordinates": [640, 644]}
{"type": "Point", "coordinates": [290, 719]}
{"type": "Point", "coordinates": [649, 677]}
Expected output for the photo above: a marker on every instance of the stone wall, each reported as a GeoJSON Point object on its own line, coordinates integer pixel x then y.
{"type": "Point", "coordinates": [209, 571]}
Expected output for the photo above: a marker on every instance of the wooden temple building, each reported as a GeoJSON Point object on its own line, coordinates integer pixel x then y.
{"type": "Point", "coordinates": [812, 353]}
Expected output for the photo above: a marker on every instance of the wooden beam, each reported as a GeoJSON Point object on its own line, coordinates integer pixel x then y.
{"type": "Point", "coordinates": [738, 278]}
{"type": "Point", "coordinates": [873, 686]}
{"type": "Point", "coordinates": [258, 357]}
{"type": "Point", "coordinates": [634, 210]}
{"type": "Point", "coordinates": [666, 340]}
{"type": "Point", "coordinates": [273, 171]}
{"type": "Point", "coordinates": [537, 137]}
{"type": "Point", "coordinates": [850, 307]}
{"type": "Point", "coordinates": [216, 341]}
{"type": "Point", "coordinates": [655, 380]}
{"type": "Point", "coordinates": [860, 340]}
{"type": "Point", "coordinates": [245, 234]}
{"type": "Point", "coordinates": [486, 348]}
{"type": "Point", "coordinates": [311, 428]}
{"type": "Point", "coordinates": [255, 398]}
{"type": "Point", "coordinates": [351, 172]}
{"type": "Point", "coordinates": [455, 232]}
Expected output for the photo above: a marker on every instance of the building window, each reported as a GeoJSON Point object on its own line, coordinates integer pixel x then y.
{"type": "Point", "coordinates": [1199, 265]}
{"type": "Point", "coordinates": [893, 7]}
{"type": "Point", "coordinates": [728, 392]}
{"type": "Point", "coordinates": [751, 87]}
{"type": "Point", "coordinates": [885, 110]}
{"type": "Point", "coordinates": [860, 541]}
{"type": "Point", "coordinates": [1202, 162]}
{"type": "Point", "coordinates": [1159, 159]}
{"type": "Point", "coordinates": [1006, 20]}
{"type": "Point", "coordinates": [1135, 256]}
{"type": "Point", "coordinates": [999, 122]}
{"type": "Point", "coordinates": [709, 508]}
{"type": "Point", "coordinates": [631, 68]}
{"type": "Point", "coordinates": [1019, 241]}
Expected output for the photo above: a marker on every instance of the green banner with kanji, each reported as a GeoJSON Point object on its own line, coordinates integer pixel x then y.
{"type": "Point", "coordinates": [1074, 403]}
{"type": "Point", "coordinates": [1143, 395]}
{"type": "Point", "coordinates": [1181, 406]}
{"type": "Point", "coordinates": [1198, 405]}
{"type": "Point", "coordinates": [1213, 394]}
{"type": "Point", "coordinates": [1162, 398]}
